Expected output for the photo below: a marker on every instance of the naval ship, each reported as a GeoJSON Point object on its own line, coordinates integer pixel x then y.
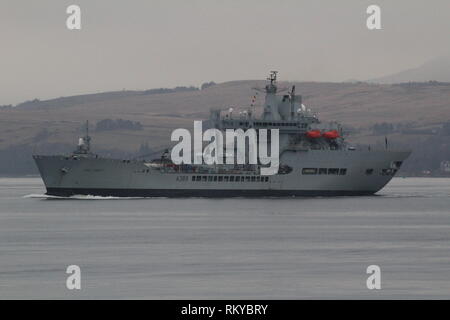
{"type": "Point", "coordinates": [315, 159]}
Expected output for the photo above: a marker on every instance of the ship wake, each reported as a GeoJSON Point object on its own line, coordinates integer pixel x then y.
{"type": "Point", "coordinates": [78, 197]}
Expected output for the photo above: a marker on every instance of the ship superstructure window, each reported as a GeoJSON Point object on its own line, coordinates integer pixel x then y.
{"type": "Point", "coordinates": [323, 171]}
{"type": "Point", "coordinates": [388, 172]}
{"type": "Point", "coordinates": [397, 164]}
{"type": "Point", "coordinates": [225, 178]}
{"type": "Point", "coordinates": [309, 171]}
{"type": "Point", "coordinates": [333, 171]}
{"type": "Point", "coordinates": [369, 171]}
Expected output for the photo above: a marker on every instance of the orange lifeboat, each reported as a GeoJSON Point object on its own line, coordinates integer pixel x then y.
{"type": "Point", "coordinates": [333, 134]}
{"type": "Point", "coordinates": [314, 134]}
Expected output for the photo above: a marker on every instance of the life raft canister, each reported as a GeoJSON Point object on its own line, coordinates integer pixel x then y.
{"type": "Point", "coordinates": [313, 134]}
{"type": "Point", "coordinates": [333, 134]}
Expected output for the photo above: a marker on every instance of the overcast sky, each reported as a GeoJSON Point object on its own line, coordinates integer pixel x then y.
{"type": "Point", "coordinates": [151, 43]}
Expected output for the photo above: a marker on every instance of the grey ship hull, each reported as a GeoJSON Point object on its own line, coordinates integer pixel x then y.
{"type": "Point", "coordinates": [68, 175]}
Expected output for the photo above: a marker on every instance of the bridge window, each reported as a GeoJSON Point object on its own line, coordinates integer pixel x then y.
{"type": "Point", "coordinates": [220, 179]}
{"type": "Point", "coordinates": [397, 164]}
{"type": "Point", "coordinates": [342, 172]}
{"type": "Point", "coordinates": [322, 170]}
{"type": "Point", "coordinates": [333, 171]}
{"type": "Point", "coordinates": [388, 172]}
{"type": "Point", "coordinates": [369, 171]}
{"type": "Point", "coordinates": [309, 171]}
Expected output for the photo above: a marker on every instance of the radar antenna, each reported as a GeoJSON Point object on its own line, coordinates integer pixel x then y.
{"type": "Point", "coordinates": [272, 77]}
{"type": "Point", "coordinates": [272, 87]}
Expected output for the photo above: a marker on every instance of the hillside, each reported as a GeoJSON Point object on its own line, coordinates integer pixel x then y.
{"type": "Point", "coordinates": [418, 107]}
{"type": "Point", "coordinates": [434, 70]}
{"type": "Point", "coordinates": [354, 104]}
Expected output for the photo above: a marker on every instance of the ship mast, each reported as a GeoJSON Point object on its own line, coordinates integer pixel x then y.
{"type": "Point", "coordinates": [84, 143]}
{"type": "Point", "coordinates": [87, 138]}
{"type": "Point", "coordinates": [272, 88]}
{"type": "Point", "coordinates": [271, 103]}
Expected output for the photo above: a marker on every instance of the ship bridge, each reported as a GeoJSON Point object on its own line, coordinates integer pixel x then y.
{"type": "Point", "coordinates": [297, 125]}
{"type": "Point", "coordinates": [284, 112]}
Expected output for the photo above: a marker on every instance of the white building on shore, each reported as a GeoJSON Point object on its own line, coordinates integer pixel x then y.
{"type": "Point", "coordinates": [445, 166]}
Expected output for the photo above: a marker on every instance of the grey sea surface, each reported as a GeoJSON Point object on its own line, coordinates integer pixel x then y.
{"type": "Point", "coordinates": [295, 248]}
